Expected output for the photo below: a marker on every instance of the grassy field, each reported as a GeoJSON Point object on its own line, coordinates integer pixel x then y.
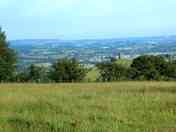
{"type": "Point", "coordinates": [92, 75]}
{"type": "Point", "coordinates": [91, 107]}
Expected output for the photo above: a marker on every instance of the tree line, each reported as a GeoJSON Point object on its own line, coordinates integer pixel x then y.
{"type": "Point", "coordinates": [146, 67]}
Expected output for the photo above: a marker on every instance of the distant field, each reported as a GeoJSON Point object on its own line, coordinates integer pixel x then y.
{"type": "Point", "coordinates": [88, 107]}
{"type": "Point", "coordinates": [125, 62]}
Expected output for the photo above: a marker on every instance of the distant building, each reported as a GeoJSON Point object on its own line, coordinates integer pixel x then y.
{"type": "Point", "coordinates": [119, 56]}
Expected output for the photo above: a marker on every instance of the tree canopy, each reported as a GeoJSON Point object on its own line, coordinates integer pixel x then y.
{"type": "Point", "coordinates": [149, 67]}
{"type": "Point", "coordinates": [67, 70]}
{"type": "Point", "coordinates": [7, 59]}
{"type": "Point", "coordinates": [111, 71]}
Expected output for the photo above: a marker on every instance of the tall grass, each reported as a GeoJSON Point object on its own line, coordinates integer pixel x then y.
{"type": "Point", "coordinates": [92, 107]}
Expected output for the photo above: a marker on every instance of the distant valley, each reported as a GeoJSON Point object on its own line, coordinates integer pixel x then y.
{"type": "Point", "coordinates": [89, 52]}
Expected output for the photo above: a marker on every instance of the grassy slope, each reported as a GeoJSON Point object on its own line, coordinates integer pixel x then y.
{"type": "Point", "coordinates": [124, 62]}
{"type": "Point", "coordinates": [106, 107]}
{"type": "Point", "coordinates": [92, 75]}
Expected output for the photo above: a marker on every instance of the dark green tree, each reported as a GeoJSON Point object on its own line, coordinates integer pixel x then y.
{"type": "Point", "coordinates": [7, 59]}
{"type": "Point", "coordinates": [33, 73]}
{"type": "Point", "coordinates": [148, 67]}
{"type": "Point", "coordinates": [22, 77]}
{"type": "Point", "coordinates": [37, 74]}
{"type": "Point", "coordinates": [170, 71]}
{"type": "Point", "coordinates": [67, 70]}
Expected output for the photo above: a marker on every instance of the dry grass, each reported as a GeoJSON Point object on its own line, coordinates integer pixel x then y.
{"type": "Point", "coordinates": [91, 107]}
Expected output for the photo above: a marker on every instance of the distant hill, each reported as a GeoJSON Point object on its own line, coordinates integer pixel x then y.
{"type": "Point", "coordinates": [90, 51]}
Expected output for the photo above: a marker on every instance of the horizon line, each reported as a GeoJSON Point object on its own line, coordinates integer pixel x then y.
{"type": "Point", "coordinates": [100, 38]}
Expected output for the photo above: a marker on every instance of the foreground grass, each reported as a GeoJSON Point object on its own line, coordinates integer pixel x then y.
{"type": "Point", "coordinates": [106, 107]}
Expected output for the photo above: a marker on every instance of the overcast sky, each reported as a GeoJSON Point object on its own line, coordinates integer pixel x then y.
{"type": "Point", "coordinates": [81, 19]}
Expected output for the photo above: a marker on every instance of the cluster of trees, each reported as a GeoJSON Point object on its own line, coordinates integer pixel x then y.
{"type": "Point", "coordinates": [146, 67]}
{"type": "Point", "coordinates": [64, 70]}
{"type": "Point", "coordinates": [111, 71]}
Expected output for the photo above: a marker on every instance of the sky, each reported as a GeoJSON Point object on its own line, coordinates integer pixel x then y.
{"type": "Point", "coordinates": [86, 19]}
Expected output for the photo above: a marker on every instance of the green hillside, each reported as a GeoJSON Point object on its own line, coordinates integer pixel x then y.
{"type": "Point", "coordinates": [124, 62]}
{"type": "Point", "coordinates": [92, 75]}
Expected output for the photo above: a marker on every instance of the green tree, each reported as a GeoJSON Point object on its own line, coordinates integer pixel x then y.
{"type": "Point", "coordinates": [111, 71]}
{"type": "Point", "coordinates": [170, 71]}
{"type": "Point", "coordinates": [7, 59]}
{"type": "Point", "coordinates": [33, 73]}
{"type": "Point", "coordinates": [22, 77]}
{"type": "Point", "coordinates": [67, 70]}
{"type": "Point", "coordinates": [148, 67]}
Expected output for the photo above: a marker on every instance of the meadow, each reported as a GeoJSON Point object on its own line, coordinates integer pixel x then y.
{"type": "Point", "coordinates": [88, 107]}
